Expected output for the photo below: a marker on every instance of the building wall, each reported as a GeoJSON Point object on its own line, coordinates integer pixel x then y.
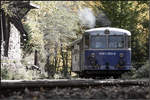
{"type": "Point", "coordinates": [14, 50]}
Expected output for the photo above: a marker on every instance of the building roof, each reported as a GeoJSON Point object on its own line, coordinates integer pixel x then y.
{"type": "Point", "coordinates": [74, 42]}
{"type": "Point", "coordinates": [22, 8]}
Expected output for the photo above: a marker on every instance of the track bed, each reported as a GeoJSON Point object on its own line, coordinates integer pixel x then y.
{"type": "Point", "coordinates": [74, 89]}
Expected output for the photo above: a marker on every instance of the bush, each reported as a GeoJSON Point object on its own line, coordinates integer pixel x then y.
{"type": "Point", "coordinates": [128, 75]}
{"type": "Point", "coordinates": [15, 72]}
{"type": "Point", "coordinates": [4, 73]}
{"type": "Point", "coordinates": [143, 72]}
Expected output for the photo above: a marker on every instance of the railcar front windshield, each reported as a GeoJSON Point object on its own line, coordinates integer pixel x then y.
{"type": "Point", "coordinates": [98, 42]}
{"type": "Point", "coordinates": [115, 41]}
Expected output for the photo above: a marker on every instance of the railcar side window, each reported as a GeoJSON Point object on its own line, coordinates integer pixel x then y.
{"type": "Point", "coordinates": [116, 41]}
{"type": "Point", "coordinates": [86, 41]}
{"type": "Point", "coordinates": [98, 42]}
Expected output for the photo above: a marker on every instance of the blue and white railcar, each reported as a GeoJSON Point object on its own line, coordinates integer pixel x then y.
{"type": "Point", "coordinates": [102, 51]}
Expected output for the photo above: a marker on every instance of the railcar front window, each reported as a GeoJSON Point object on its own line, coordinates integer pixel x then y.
{"type": "Point", "coordinates": [115, 41]}
{"type": "Point", "coordinates": [98, 42]}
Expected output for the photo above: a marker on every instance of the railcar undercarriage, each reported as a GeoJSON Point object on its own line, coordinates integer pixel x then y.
{"type": "Point", "coordinates": [101, 74]}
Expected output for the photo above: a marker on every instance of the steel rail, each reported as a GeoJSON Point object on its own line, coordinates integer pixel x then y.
{"type": "Point", "coordinates": [5, 84]}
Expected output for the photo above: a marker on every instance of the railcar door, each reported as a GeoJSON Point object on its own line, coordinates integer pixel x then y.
{"type": "Point", "coordinates": [76, 58]}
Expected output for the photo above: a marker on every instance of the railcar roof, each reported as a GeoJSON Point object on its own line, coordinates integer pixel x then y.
{"type": "Point", "coordinates": [113, 31]}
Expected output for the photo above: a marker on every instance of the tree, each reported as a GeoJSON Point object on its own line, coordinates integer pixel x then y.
{"type": "Point", "coordinates": [54, 23]}
{"type": "Point", "coordinates": [133, 16]}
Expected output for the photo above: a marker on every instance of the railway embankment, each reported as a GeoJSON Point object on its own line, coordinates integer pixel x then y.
{"type": "Point", "coordinates": [74, 89]}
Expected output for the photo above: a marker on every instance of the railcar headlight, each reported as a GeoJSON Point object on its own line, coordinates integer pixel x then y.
{"type": "Point", "coordinates": [92, 59]}
{"type": "Point", "coordinates": [92, 55]}
{"type": "Point", "coordinates": [121, 55]}
{"type": "Point", "coordinates": [121, 62]}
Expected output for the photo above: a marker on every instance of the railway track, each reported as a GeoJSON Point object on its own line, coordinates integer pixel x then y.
{"type": "Point", "coordinates": [8, 87]}
{"type": "Point", "coordinates": [71, 83]}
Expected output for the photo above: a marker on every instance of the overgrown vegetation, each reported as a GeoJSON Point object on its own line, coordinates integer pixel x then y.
{"type": "Point", "coordinates": [142, 72]}
{"type": "Point", "coordinates": [11, 73]}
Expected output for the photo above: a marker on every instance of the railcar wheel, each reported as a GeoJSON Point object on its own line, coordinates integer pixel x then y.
{"type": "Point", "coordinates": [117, 76]}
{"type": "Point", "coordinates": [81, 75]}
